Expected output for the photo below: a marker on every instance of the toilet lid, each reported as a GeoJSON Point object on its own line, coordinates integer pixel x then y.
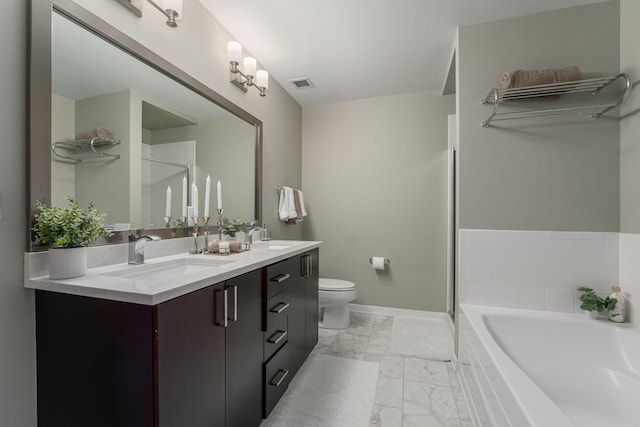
{"type": "Point", "coordinates": [335, 285]}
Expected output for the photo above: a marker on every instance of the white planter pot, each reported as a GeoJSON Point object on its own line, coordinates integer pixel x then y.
{"type": "Point", "coordinates": [67, 263]}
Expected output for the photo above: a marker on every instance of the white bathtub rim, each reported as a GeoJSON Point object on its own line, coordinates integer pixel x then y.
{"type": "Point", "coordinates": [539, 409]}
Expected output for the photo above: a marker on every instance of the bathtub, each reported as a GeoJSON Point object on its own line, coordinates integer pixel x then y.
{"type": "Point", "coordinates": [534, 368]}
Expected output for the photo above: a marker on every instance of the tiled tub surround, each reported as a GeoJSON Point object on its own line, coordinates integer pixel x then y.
{"type": "Point", "coordinates": [105, 260]}
{"type": "Point", "coordinates": [630, 274]}
{"type": "Point", "coordinates": [537, 270]}
{"type": "Point", "coordinates": [526, 368]}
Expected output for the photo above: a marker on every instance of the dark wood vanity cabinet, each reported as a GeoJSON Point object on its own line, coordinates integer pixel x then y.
{"type": "Point", "coordinates": [221, 356]}
{"type": "Point", "coordinates": [195, 360]}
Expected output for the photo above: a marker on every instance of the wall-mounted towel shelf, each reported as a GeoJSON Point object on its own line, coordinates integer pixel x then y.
{"type": "Point", "coordinates": [593, 86]}
{"type": "Point", "coordinates": [84, 144]}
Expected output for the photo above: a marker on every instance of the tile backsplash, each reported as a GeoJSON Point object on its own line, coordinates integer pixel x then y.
{"type": "Point", "coordinates": [535, 269]}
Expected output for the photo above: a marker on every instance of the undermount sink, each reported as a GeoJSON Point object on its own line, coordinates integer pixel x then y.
{"type": "Point", "coordinates": [271, 244]}
{"type": "Point", "coordinates": [169, 270]}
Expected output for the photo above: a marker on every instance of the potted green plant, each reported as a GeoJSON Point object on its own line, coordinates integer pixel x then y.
{"type": "Point", "coordinates": [592, 304]}
{"type": "Point", "coordinates": [69, 231]}
{"type": "Point", "coordinates": [230, 227]}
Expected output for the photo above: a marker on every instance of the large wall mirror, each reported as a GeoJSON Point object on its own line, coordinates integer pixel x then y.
{"type": "Point", "coordinates": [114, 123]}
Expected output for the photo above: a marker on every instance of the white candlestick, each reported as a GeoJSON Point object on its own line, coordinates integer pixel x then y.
{"type": "Point", "coordinates": [184, 197]}
{"type": "Point", "coordinates": [219, 188]}
{"type": "Point", "coordinates": [167, 209]}
{"type": "Point", "coordinates": [194, 199]}
{"type": "Point", "coordinates": [207, 197]}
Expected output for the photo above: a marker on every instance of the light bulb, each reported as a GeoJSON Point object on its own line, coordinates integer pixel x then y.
{"type": "Point", "coordinates": [262, 79]}
{"type": "Point", "coordinates": [234, 51]}
{"type": "Point", "coordinates": [250, 66]}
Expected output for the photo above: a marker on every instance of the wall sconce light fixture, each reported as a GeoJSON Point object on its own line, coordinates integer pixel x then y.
{"type": "Point", "coordinates": [172, 9]}
{"type": "Point", "coordinates": [250, 77]}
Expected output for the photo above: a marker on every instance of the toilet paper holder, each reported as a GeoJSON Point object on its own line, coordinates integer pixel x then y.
{"type": "Point", "coordinates": [387, 261]}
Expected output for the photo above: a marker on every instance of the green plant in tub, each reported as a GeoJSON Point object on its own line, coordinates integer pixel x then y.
{"type": "Point", "coordinates": [231, 226]}
{"type": "Point", "coordinates": [592, 302]}
{"type": "Point", "coordinates": [70, 227]}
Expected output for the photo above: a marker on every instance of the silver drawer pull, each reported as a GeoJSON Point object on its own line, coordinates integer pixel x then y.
{"type": "Point", "coordinates": [277, 382]}
{"type": "Point", "coordinates": [282, 307]}
{"type": "Point", "coordinates": [273, 340]}
{"type": "Point", "coordinates": [281, 278]}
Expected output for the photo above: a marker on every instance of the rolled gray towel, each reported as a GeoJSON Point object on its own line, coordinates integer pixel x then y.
{"type": "Point", "coordinates": [522, 78]}
{"type": "Point", "coordinates": [102, 133]}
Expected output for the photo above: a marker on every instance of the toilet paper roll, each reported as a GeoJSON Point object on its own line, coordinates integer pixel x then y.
{"type": "Point", "coordinates": [377, 262]}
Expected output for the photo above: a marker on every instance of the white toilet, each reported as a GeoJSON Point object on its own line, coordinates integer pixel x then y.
{"type": "Point", "coordinates": [334, 295]}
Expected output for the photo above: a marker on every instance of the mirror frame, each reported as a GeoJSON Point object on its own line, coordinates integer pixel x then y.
{"type": "Point", "coordinates": [39, 104]}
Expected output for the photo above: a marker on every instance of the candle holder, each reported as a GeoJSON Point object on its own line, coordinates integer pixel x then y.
{"type": "Point", "coordinates": [220, 210]}
{"type": "Point", "coordinates": [167, 221]}
{"type": "Point", "coordinates": [195, 220]}
{"type": "Point", "coordinates": [183, 220]}
{"type": "Point", "coordinates": [205, 250]}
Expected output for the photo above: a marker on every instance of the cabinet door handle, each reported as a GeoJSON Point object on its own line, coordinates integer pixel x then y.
{"type": "Point", "coordinates": [309, 265]}
{"type": "Point", "coordinates": [280, 307]}
{"type": "Point", "coordinates": [226, 308]}
{"type": "Point", "coordinates": [224, 322]}
{"type": "Point", "coordinates": [273, 340]}
{"type": "Point", "coordinates": [281, 278]}
{"type": "Point", "coordinates": [276, 382]}
{"type": "Point", "coordinates": [235, 303]}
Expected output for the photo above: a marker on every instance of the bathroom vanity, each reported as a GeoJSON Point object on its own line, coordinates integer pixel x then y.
{"type": "Point", "coordinates": [215, 346]}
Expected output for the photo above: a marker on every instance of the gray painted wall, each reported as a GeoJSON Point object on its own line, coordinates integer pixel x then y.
{"type": "Point", "coordinates": [375, 184]}
{"type": "Point", "coordinates": [17, 317]}
{"type": "Point", "coordinates": [554, 174]}
{"type": "Point", "coordinates": [630, 119]}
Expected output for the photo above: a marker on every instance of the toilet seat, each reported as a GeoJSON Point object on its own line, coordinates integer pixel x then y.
{"type": "Point", "coordinates": [335, 285]}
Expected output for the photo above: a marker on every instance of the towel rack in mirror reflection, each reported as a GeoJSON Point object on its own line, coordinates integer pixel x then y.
{"type": "Point", "coordinates": [187, 166]}
{"type": "Point", "coordinates": [92, 144]}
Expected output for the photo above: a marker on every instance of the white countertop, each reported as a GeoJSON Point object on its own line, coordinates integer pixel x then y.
{"type": "Point", "coordinates": [99, 284]}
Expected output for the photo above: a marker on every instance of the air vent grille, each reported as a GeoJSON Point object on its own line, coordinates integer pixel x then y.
{"type": "Point", "coordinates": [302, 83]}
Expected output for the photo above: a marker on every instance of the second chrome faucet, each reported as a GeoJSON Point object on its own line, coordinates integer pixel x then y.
{"type": "Point", "coordinates": [137, 242]}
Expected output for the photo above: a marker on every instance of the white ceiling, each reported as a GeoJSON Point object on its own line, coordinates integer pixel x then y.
{"type": "Point", "coordinates": [354, 49]}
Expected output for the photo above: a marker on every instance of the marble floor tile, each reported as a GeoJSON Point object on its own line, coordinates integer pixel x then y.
{"type": "Point", "coordinates": [386, 416]}
{"type": "Point", "coordinates": [383, 321]}
{"type": "Point", "coordinates": [360, 324]}
{"type": "Point", "coordinates": [423, 399]}
{"type": "Point", "coordinates": [426, 371]}
{"type": "Point", "coordinates": [390, 366]}
{"type": "Point", "coordinates": [411, 391]}
{"type": "Point", "coordinates": [349, 346]}
{"type": "Point", "coordinates": [430, 420]}
{"type": "Point", "coordinates": [380, 340]}
{"type": "Point", "coordinates": [389, 391]}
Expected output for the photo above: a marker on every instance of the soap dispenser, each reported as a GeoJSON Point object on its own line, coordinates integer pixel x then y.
{"type": "Point", "coordinates": [265, 233]}
{"type": "Point", "coordinates": [618, 313]}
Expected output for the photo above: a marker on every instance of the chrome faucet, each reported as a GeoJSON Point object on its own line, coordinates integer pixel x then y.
{"type": "Point", "coordinates": [137, 243]}
{"type": "Point", "coordinates": [253, 228]}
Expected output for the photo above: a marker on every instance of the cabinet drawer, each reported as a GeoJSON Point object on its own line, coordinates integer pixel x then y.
{"type": "Point", "coordinates": [279, 276]}
{"type": "Point", "coordinates": [277, 331]}
{"type": "Point", "coordinates": [276, 378]}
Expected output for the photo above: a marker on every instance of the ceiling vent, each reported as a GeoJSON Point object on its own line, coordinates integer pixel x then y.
{"type": "Point", "coordinates": [302, 83]}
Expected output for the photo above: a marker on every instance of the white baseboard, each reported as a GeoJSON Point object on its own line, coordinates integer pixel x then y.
{"type": "Point", "coordinates": [390, 311]}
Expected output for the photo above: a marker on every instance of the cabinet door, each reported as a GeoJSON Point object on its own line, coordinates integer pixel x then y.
{"type": "Point", "coordinates": [190, 346]}
{"type": "Point", "coordinates": [244, 351]}
{"type": "Point", "coordinates": [94, 362]}
{"type": "Point", "coordinates": [311, 261]}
